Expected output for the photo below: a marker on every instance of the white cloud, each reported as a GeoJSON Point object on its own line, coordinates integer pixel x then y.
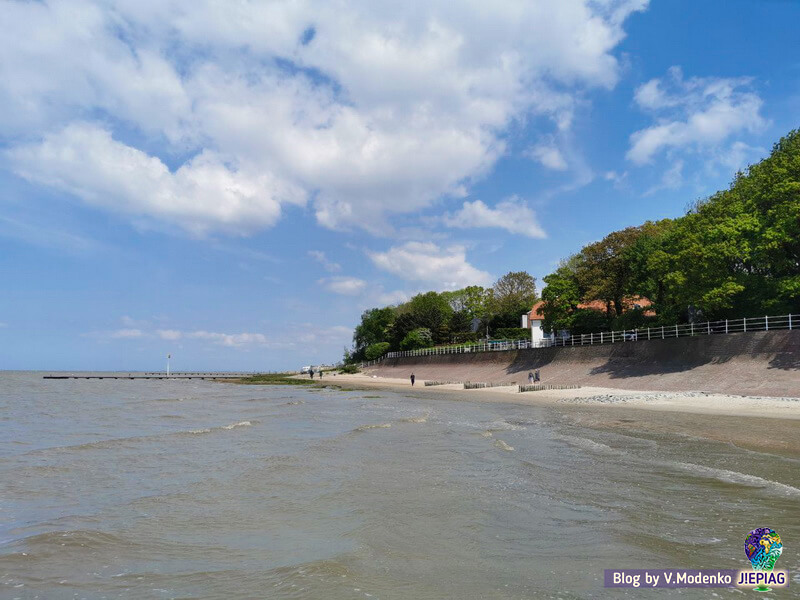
{"type": "Point", "coordinates": [425, 262]}
{"type": "Point", "coordinates": [386, 109]}
{"type": "Point", "coordinates": [549, 156]}
{"type": "Point", "coordinates": [205, 192]}
{"type": "Point", "coordinates": [126, 333]}
{"type": "Point", "coordinates": [693, 113]}
{"type": "Point", "coordinates": [671, 179]}
{"type": "Point", "coordinates": [392, 298]}
{"type": "Point", "coordinates": [228, 339]}
{"type": "Point", "coordinates": [322, 259]}
{"type": "Point", "coordinates": [513, 215]}
{"type": "Point", "coordinates": [169, 334]}
{"type": "Point", "coordinates": [347, 286]}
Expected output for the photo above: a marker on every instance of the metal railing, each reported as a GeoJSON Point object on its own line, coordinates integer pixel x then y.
{"type": "Point", "coordinates": [750, 324]}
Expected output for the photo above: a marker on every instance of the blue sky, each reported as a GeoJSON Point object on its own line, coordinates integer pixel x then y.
{"type": "Point", "coordinates": [235, 184]}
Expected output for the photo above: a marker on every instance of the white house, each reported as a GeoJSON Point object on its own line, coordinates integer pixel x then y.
{"type": "Point", "coordinates": [533, 321]}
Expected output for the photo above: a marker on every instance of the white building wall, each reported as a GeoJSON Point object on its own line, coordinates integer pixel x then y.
{"type": "Point", "coordinates": [537, 334]}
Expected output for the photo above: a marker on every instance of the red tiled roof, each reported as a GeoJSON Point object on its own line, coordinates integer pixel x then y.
{"type": "Point", "coordinates": [629, 303]}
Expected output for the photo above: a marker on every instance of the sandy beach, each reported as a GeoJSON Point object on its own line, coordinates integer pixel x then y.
{"type": "Point", "coordinates": [764, 424]}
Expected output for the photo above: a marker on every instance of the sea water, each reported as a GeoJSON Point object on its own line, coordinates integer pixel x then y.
{"type": "Point", "coordinates": [196, 489]}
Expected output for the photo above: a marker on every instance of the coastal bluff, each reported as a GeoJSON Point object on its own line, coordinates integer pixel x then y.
{"type": "Point", "coordinates": [765, 363]}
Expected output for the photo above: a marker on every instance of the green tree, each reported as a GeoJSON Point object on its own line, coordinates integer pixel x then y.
{"type": "Point", "coordinates": [431, 311]}
{"type": "Point", "coordinates": [604, 271]}
{"type": "Point", "coordinates": [416, 339]}
{"type": "Point", "coordinates": [375, 351]}
{"type": "Point", "coordinates": [561, 296]}
{"type": "Point", "coordinates": [374, 327]}
{"type": "Point", "coordinates": [512, 296]}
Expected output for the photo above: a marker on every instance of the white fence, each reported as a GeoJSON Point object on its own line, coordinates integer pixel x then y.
{"type": "Point", "coordinates": [765, 323]}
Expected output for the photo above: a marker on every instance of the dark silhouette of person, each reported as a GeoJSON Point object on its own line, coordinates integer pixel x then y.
{"type": "Point", "coordinates": [536, 376]}
{"type": "Point", "coordinates": [413, 378]}
{"type": "Point", "coordinates": [311, 372]}
{"type": "Point", "coordinates": [320, 373]}
{"type": "Point", "coordinates": [530, 377]}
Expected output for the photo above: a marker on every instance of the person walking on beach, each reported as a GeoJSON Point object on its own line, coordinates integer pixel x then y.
{"type": "Point", "coordinates": [530, 376]}
{"type": "Point", "coordinates": [320, 373]}
{"type": "Point", "coordinates": [536, 377]}
{"type": "Point", "coordinates": [311, 372]}
{"type": "Point", "coordinates": [413, 378]}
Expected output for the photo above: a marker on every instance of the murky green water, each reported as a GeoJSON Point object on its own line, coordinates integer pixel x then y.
{"type": "Point", "coordinates": [191, 489]}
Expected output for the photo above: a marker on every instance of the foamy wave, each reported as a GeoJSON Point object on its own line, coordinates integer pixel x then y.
{"type": "Point", "coordinates": [223, 427]}
{"type": "Point", "coordinates": [738, 478]}
{"type": "Point", "coordinates": [591, 445]}
{"type": "Point", "coordinates": [505, 426]}
{"type": "Point", "coordinates": [503, 446]}
{"type": "Point", "coordinates": [378, 426]}
{"type": "Point", "coordinates": [422, 419]}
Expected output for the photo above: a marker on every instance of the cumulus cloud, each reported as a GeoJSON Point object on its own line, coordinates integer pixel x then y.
{"type": "Point", "coordinates": [322, 259]}
{"type": "Point", "coordinates": [548, 156]}
{"type": "Point", "coordinates": [700, 112]}
{"type": "Point", "coordinates": [425, 262]}
{"type": "Point", "coordinates": [513, 215]}
{"type": "Point", "coordinates": [383, 110]}
{"type": "Point", "coordinates": [84, 160]}
{"type": "Point", "coordinates": [347, 286]}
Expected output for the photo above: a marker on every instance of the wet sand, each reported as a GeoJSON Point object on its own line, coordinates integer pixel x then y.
{"type": "Point", "coordinates": [750, 422]}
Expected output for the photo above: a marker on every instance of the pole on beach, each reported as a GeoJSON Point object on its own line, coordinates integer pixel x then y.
{"type": "Point", "coordinates": [168, 357]}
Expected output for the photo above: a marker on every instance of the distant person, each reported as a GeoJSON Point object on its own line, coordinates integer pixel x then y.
{"type": "Point", "coordinates": [536, 376]}
{"type": "Point", "coordinates": [530, 377]}
{"type": "Point", "coordinates": [311, 372]}
{"type": "Point", "coordinates": [413, 379]}
{"type": "Point", "coordinates": [320, 373]}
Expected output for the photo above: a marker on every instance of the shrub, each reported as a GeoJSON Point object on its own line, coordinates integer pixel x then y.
{"type": "Point", "coordinates": [375, 351]}
{"type": "Point", "coordinates": [349, 369]}
{"type": "Point", "coordinates": [416, 339]}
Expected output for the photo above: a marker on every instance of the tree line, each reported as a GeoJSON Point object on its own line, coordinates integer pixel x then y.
{"type": "Point", "coordinates": [436, 318]}
{"type": "Point", "coordinates": [734, 254]}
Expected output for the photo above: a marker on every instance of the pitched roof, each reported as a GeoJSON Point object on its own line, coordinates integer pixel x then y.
{"type": "Point", "coordinates": [629, 303]}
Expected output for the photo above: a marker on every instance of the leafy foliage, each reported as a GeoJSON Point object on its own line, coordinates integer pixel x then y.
{"type": "Point", "coordinates": [734, 254]}
{"type": "Point", "coordinates": [375, 351]}
{"type": "Point", "coordinates": [416, 339]}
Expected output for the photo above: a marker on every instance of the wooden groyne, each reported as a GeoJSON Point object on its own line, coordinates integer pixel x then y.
{"type": "Point", "coordinates": [155, 376]}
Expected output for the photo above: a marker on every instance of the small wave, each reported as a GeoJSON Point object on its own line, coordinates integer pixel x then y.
{"type": "Point", "coordinates": [503, 446]}
{"type": "Point", "coordinates": [737, 478]}
{"type": "Point", "coordinates": [239, 424]}
{"type": "Point", "coordinates": [81, 538]}
{"type": "Point", "coordinates": [377, 426]}
{"type": "Point", "coordinates": [293, 403]}
{"type": "Point", "coordinates": [422, 419]}
{"type": "Point", "coordinates": [222, 427]}
{"type": "Point", "coordinates": [591, 445]}
{"type": "Point", "coordinates": [486, 434]}
{"type": "Point", "coordinates": [505, 426]}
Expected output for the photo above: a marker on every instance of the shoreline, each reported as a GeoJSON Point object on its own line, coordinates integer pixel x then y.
{"type": "Point", "coordinates": [761, 424]}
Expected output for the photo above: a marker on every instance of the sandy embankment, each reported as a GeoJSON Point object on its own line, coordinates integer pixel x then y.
{"type": "Point", "coordinates": [757, 423]}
